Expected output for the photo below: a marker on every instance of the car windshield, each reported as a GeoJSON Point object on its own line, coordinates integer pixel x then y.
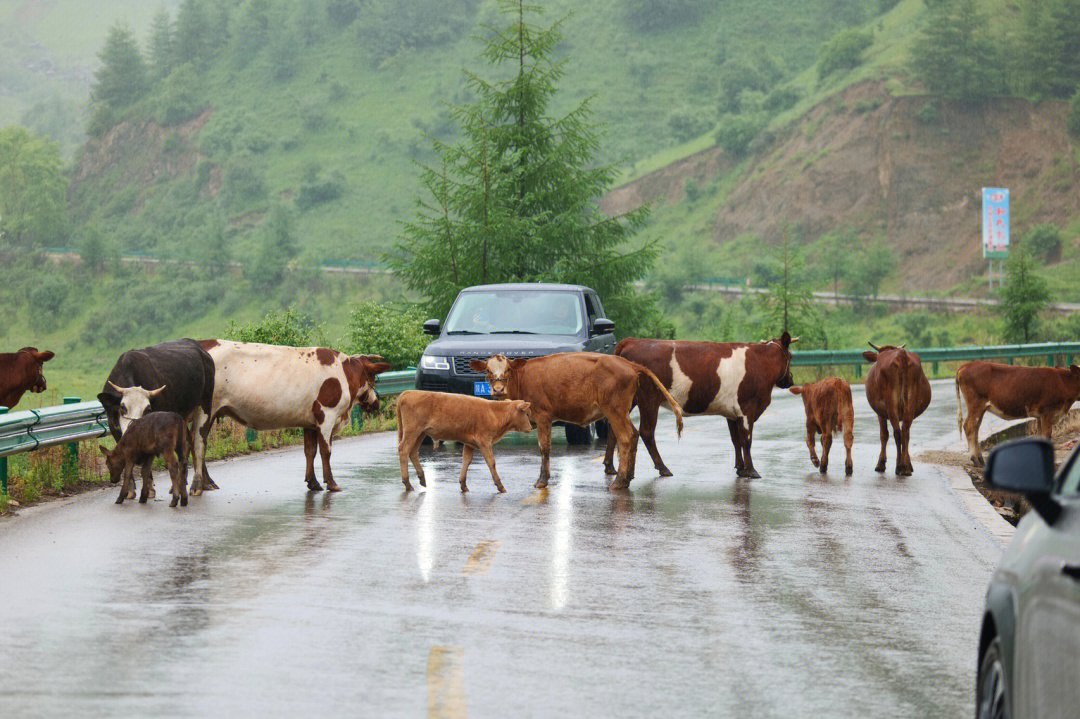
{"type": "Point", "coordinates": [516, 312]}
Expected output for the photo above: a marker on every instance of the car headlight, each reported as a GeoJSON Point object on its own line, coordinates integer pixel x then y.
{"type": "Point", "coordinates": [434, 362]}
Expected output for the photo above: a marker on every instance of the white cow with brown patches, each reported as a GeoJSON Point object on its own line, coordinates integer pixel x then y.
{"type": "Point", "coordinates": [272, 387]}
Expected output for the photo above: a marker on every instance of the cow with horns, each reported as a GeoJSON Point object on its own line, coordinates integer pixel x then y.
{"type": "Point", "coordinates": [898, 391]}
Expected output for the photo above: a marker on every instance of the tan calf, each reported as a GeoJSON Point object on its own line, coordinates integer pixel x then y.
{"type": "Point", "coordinates": [828, 410]}
{"type": "Point", "coordinates": [476, 423]}
{"type": "Point", "coordinates": [580, 388]}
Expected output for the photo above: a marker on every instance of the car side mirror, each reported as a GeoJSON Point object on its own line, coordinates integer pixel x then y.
{"type": "Point", "coordinates": [433, 327]}
{"type": "Point", "coordinates": [603, 326]}
{"type": "Point", "coordinates": [1026, 467]}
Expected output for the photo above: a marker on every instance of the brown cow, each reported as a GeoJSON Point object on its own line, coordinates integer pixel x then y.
{"type": "Point", "coordinates": [580, 388]}
{"type": "Point", "coordinates": [731, 379]}
{"type": "Point", "coordinates": [1045, 393]}
{"type": "Point", "coordinates": [897, 389]}
{"type": "Point", "coordinates": [158, 434]}
{"type": "Point", "coordinates": [20, 372]}
{"type": "Point", "coordinates": [476, 423]}
{"type": "Point", "coordinates": [828, 410]}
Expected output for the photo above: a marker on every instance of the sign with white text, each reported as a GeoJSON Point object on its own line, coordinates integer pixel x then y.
{"type": "Point", "coordinates": [995, 222]}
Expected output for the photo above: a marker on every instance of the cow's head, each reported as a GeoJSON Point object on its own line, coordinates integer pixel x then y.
{"type": "Point", "coordinates": [133, 403]}
{"type": "Point", "coordinates": [115, 462]}
{"type": "Point", "coordinates": [871, 357]}
{"type": "Point", "coordinates": [520, 421]}
{"type": "Point", "coordinates": [499, 369]}
{"type": "Point", "coordinates": [784, 342]}
{"type": "Point", "coordinates": [360, 371]}
{"type": "Point", "coordinates": [35, 378]}
{"type": "Point", "coordinates": [1074, 373]}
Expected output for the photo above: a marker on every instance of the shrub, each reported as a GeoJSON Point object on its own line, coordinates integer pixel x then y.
{"type": "Point", "coordinates": [243, 184]}
{"type": "Point", "coordinates": [686, 124]}
{"type": "Point", "coordinates": [655, 15]}
{"type": "Point", "coordinates": [289, 328]}
{"type": "Point", "coordinates": [843, 51]}
{"type": "Point", "coordinates": [781, 98]}
{"type": "Point", "coordinates": [179, 97]}
{"type": "Point", "coordinates": [1043, 242]}
{"type": "Point", "coordinates": [928, 114]}
{"type": "Point", "coordinates": [397, 335]}
{"type": "Point", "coordinates": [1073, 120]}
{"type": "Point", "coordinates": [737, 131]}
{"type": "Point", "coordinates": [316, 190]}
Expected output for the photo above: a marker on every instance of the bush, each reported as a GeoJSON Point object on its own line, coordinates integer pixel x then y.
{"type": "Point", "coordinates": [1073, 120]}
{"type": "Point", "coordinates": [843, 51]}
{"type": "Point", "coordinates": [179, 97]}
{"type": "Point", "coordinates": [316, 190]}
{"type": "Point", "coordinates": [397, 335]}
{"type": "Point", "coordinates": [928, 114]}
{"type": "Point", "coordinates": [781, 98]}
{"type": "Point", "coordinates": [686, 124]}
{"type": "Point", "coordinates": [1043, 242]}
{"type": "Point", "coordinates": [655, 15]}
{"type": "Point", "coordinates": [288, 328]}
{"type": "Point", "coordinates": [737, 131]}
{"type": "Point", "coordinates": [243, 185]}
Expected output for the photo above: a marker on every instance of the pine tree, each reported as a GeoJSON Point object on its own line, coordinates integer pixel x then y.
{"type": "Point", "coordinates": [789, 305]}
{"type": "Point", "coordinates": [122, 78]}
{"type": "Point", "coordinates": [515, 199]}
{"type": "Point", "coordinates": [955, 56]}
{"type": "Point", "coordinates": [191, 39]}
{"type": "Point", "coordinates": [1023, 297]}
{"type": "Point", "coordinates": [161, 51]}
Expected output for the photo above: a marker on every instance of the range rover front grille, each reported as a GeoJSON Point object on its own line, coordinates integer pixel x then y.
{"type": "Point", "coordinates": [462, 368]}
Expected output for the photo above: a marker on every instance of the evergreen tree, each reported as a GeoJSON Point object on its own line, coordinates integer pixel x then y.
{"type": "Point", "coordinates": [191, 39]}
{"type": "Point", "coordinates": [277, 247]}
{"type": "Point", "coordinates": [789, 305]}
{"type": "Point", "coordinates": [122, 78]}
{"type": "Point", "coordinates": [1057, 48]}
{"type": "Point", "coordinates": [835, 258]}
{"type": "Point", "coordinates": [955, 55]}
{"type": "Point", "coordinates": [1024, 295]}
{"type": "Point", "coordinates": [162, 53]}
{"type": "Point", "coordinates": [515, 199]}
{"type": "Point", "coordinates": [33, 189]}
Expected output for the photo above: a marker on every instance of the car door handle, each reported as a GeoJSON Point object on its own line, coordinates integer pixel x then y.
{"type": "Point", "coordinates": [1072, 571]}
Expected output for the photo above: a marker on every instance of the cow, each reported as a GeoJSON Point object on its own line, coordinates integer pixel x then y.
{"type": "Point", "coordinates": [175, 376]}
{"type": "Point", "coordinates": [731, 379]}
{"type": "Point", "coordinates": [828, 410]}
{"type": "Point", "coordinates": [21, 372]}
{"type": "Point", "coordinates": [273, 387]}
{"type": "Point", "coordinates": [580, 388]}
{"type": "Point", "coordinates": [898, 391]}
{"type": "Point", "coordinates": [158, 434]}
{"type": "Point", "coordinates": [476, 423]}
{"type": "Point", "coordinates": [1045, 393]}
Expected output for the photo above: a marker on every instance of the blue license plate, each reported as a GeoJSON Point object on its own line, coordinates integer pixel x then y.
{"type": "Point", "coordinates": [482, 388]}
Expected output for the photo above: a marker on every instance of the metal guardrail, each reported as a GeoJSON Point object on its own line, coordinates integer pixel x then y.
{"type": "Point", "coordinates": [75, 421]}
{"type": "Point", "coordinates": [934, 355]}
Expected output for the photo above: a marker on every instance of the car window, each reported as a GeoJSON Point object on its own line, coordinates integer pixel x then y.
{"type": "Point", "coordinates": [1070, 480]}
{"type": "Point", "coordinates": [590, 310]}
{"type": "Point", "coordinates": [516, 311]}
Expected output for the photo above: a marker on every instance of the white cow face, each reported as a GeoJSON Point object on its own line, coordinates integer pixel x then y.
{"type": "Point", "coordinates": [498, 369]}
{"type": "Point", "coordinates": [134, 403]}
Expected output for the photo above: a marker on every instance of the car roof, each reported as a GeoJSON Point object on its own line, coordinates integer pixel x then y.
{"type": "Point", "coordinates": [543, 286]}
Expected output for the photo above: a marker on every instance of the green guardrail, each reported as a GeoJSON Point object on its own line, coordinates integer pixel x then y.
{"type": "Point", "coordinates": [934, 355]}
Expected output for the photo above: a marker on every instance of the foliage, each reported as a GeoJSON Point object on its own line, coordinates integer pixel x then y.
{"type": "Point", "coordinates": [289, 328]}
{"type": "Point", "coordinates": [162, 52]}
{"type": "Point", "coordinates": [179, 98]}
{"type": "Point", "coordinates": [122, 78]}
{"type": "Point", "coordinates": [788, 305]}
{"type": "Point", "coordinates": [659, 15]}
{"type": "Point", "coordinates": [1073, 120]}
{"type": "Point", "coordinates": [514, 200]}
{"type": "Point", "coordinates": [686, 124]}
{"type": "Point", "coordinates": [1049, 53]}
{"type": "Point", "coordinates": [843, 51]}
{"type": "Point", "coordinates": [1043, 241]}
{"type": "Point", "coordinates": [33, 189]}
{"type": "Point", "coordinates": [928, 114]}
{"type": "Point", "coordinates": [955, 56]}
{"type": "Point", "coordinates": [736, 132]}
{"type": "Point", "coordinates": [923, 329]}
{"type": "Point", "coordinates": [396, 334]}
{"type": "Point", "coordinates": [391, 26]}
{"type": "Point", "coordinates": [276, 248]}
{"type": "Point", "coordinates": [834, 256]}
{"type": "Point", "coordinates": [870, 268]}
{"type": "Point", "coordinates": [1024, 295]}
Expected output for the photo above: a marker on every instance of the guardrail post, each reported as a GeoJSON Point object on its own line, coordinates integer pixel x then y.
{"type": "Point", "coordinates": [71, 451]}
{"type": "Point", "coordinates": [250, 436]}
{"type": "Point", "coordinates": [858, 371]}
{"type": "Point", "coordinates": [1049, 360]}
{"type": "Point", "coordinates": [357, 419]}
{"type": "Point", "coordinates": [934, 367]}
{"type": "Point", "coordinates": [3, 462]}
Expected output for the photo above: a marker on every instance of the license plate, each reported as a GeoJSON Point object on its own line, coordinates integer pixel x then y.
{"type": "Point", "coordinates": [482, 388]}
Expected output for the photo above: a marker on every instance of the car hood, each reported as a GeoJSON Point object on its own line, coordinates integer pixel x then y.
{"type": "Point", "coordinates": [511, 345]}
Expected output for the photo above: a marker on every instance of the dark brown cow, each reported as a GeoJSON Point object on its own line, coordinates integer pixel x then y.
{"type": "Point", "coordinates": [158, 434]}
{"type": "Point", "coordinates": [580, 388]}
{"type": "Point", "coordinates": [20, 372]}
{"type": "Point", "coordinates": [1045, 393]}
{"type": "Point", "coordinates": [476, 423]}
{"type": "Point", "coordinates": [828, 410]}
{"type": "Point", "coordinates": [731, 379]}
{"type": "Point", "coordinates": [897, 389]}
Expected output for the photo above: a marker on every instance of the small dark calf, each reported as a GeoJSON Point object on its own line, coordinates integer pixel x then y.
{"type": "Point", "coordinates": [158, 434]}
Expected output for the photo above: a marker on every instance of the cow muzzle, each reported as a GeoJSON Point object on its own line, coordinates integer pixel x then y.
{"type": "Point", "coordinates": [786, 381]}
{"type": "Point", "coordinates": [498, 389]}
{"type": "Point", "coordinates": [39, 386]}
{"type": "Point", "coordinates": [370, 405]}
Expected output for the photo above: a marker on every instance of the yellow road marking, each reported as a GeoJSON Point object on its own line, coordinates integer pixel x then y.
{"type": "Point", "coordinates": [480, 561]}
{"type": "Point", "coordinates": [446, 683]}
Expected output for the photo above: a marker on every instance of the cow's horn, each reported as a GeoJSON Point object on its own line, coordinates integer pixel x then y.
{"type": "Point", "coordinates": [156, 392]}
{"type": "Point", "coordinates": [121, 390]}
{"type": "Point", "coordinates": [794, 340]}
{"type": "Point", "coordinates": [903, 345]}
{"type": "Point", "coordinates": [874, 346]}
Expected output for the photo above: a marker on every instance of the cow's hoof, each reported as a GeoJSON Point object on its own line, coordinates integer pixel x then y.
{"type": "Point", "coordinates": [848, 470]}
{"type": "Point", "coordinates": [333, 487]}
{"type": "Point", "coordinates": [541, 483]}
{"type": "Point", "coordinates": [880, 467]}
{"type": "Point", "coordinates": [502, 489]}
{"type": "Point", "coordinates": [823, 469]}
{"type": "Point", "coordinates": [815, 462]}
{"type": "Point", "coordinates": [209, 484]}
{"type": "Point", "coordinates": [120, 499]}
{"type": "Point", "coordinates": [422, 480]}
{"type": "Point", "coordinates": [314, 486]}
{"type": "Point", "coordinates": [408, 486]}
{"type": "Point", "coordinates": [143, 498]}
{"type": "Point", "coordinates": [183, 501]}
{"type": "Point", "coordinates": [619, 485]}
{"type": "Point", "coordinates": [175, 501]}
{"type": "Point", "coordinates": [609, 469]}
{"type": "Point", "coordinates": [464, 488]}
{"type": "Point", "coordinates": [664, 471]}
{"type": "Point", "coordinates": [195, 492]}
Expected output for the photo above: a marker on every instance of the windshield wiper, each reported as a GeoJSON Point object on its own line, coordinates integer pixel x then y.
{"type": "Point", "coordinates": [511, 332]}
{"type": "Point", "coordinates": [465, 332]}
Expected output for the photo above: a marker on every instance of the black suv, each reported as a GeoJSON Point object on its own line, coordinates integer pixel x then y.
{"type": "Point", "coordinates": [517, 320]}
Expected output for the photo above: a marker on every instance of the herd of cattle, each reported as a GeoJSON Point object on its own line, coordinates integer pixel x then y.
{"type": "Point", "coordinates": [163, 400]}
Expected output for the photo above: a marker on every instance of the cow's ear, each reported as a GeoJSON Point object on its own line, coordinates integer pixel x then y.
{"type": "Point", "coordinates": [524, 405]}
{"type": "Point", "coordinates": [517, 363]}
{"type": "Point", "coordinates": [870, 357]}
{"type": "Point", "coordinates": [44, 356]}
{"type": "Point", "coordinates": [103, 450]}
{"type": "Point", "coordinates": [378, 367]}
{"type": "Point", "coordinates": [107, 399]}
{"type": "Point", "coordinates": [785, 339]}
{"type": "Point", "coordinates": [478, 366]}
{"type": "Point", "coordinates": [795, 390]}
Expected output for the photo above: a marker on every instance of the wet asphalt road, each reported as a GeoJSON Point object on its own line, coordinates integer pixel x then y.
{"type": "Point", "coordinates": [697, 595]}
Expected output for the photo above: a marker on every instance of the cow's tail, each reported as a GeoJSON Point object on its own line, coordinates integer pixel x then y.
{"type": "Point", "coordinates": [959, 409]}
{"type": "Point", "coordinates": [674, 406]}
{"type": "Point", "coordinates": [397, 412]}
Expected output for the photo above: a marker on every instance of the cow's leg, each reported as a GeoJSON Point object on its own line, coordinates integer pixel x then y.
{"type": "Point", "coordinates": [849, 440]}
{"type": "Point", "coordinates": [626, 436]}
{"type": "Point", "coordinates": [127, 483]}
{"type": "Point", "coordinates": [200, 432]}
{"type": "Point", "coordinates": [905, 436]}
{"type": "Point", "coordinates": [898, 437]}
{"type": "Point", "coordinates": [884, 428]}
{"type": "Point", "coordinates": [174, 475]}
{"type": "Point", "coordinates": [811, 442]}
{"type": "Point", "coordinates": [543, 436]}
{"type": "Point", "coordinates": [748, 440]}
{"type": "Point", "coordinates": [311, 445]}
{"type": "Point", "coordinates": [1046, 422]}
{"type": "Point", "coordinates": [326, 437]}
{"type": "Point", "coordinates": [147, 482]}
{"type": "Point", "coordinates": [180, 480]}
{"type": "Point", "coordinates": [466, 460]}
{"type": "Point", "coordinates": [609, 454]}
{"type": "Point", "coordinates": [489, 457]}
{"type": "Point", "coordinates": [976, 410]}
{"type": "Point", "coordinates": [649, 410]}
{"type": "Point", "coordinates": [826, 445]}
{"type": "Point", "coordinates": [414, 455]}
{"type": "Point", "coordinates": [734, 429]}
{"type": "Point", "coordinates": [404, 449]}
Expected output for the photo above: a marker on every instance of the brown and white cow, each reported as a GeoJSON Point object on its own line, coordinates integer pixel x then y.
{"type": "Point", "coordinates": [580, 388]}
{"type": "Point", "coordinates": [732, 379]}
{"type": "Point", "coordinates": [21, 372]}
{"type": "Point", "coordinates": [1045, 393]}
{"type": "Point", "coordinates": [272, 387]}
{"type": "Point", "coordinates": [897, 389]}
{"type": "Point", "coordinates": [476, 423]}
{"type": "Point", "coordinates": [828, 410]}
